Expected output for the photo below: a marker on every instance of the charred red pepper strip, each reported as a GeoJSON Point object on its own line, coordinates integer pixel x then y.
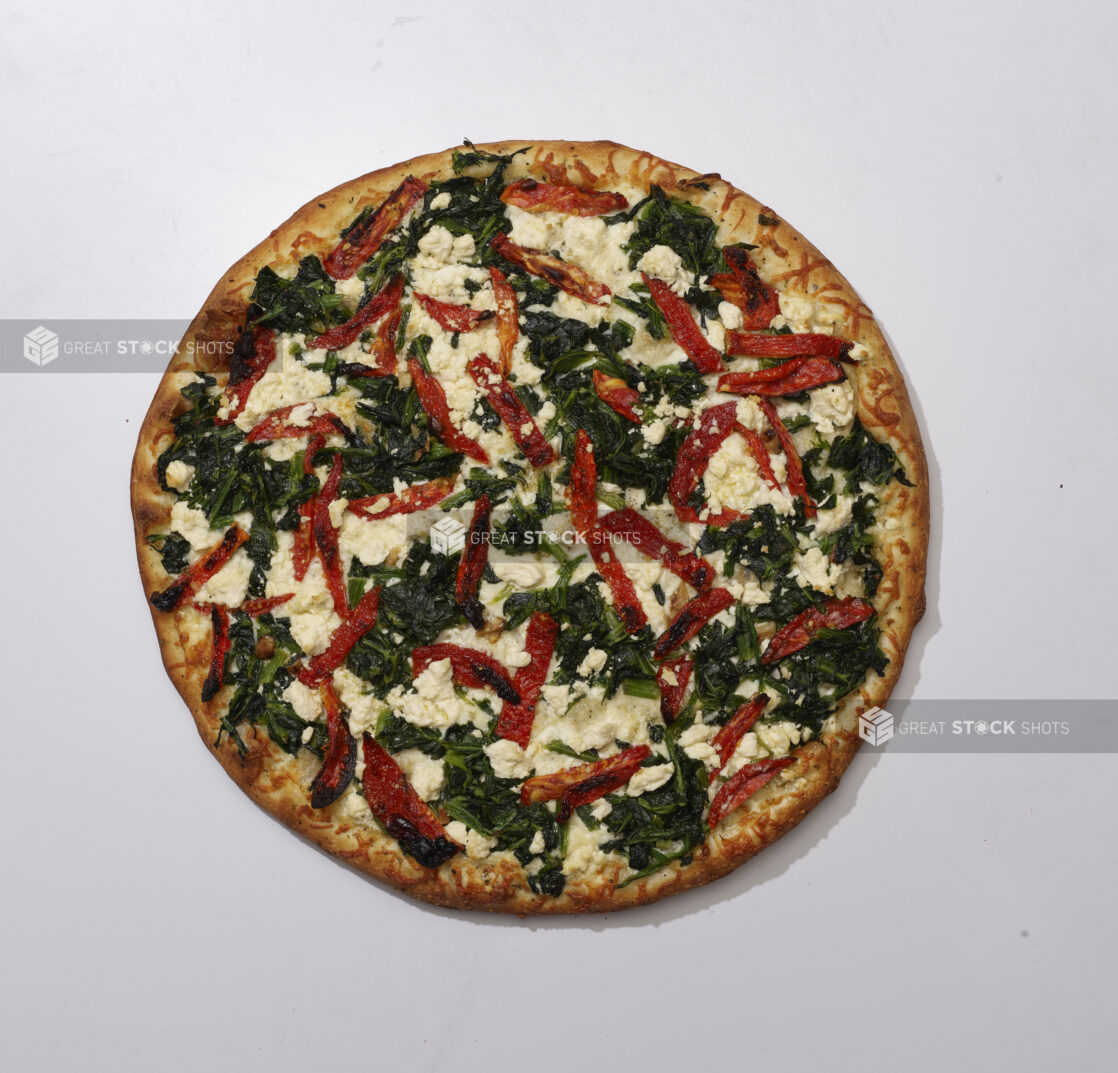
{"type": "Point", "coordinates": [736, 727]}
{"type": "Point", "coordinates": [275, 426]}
{"type": "Point", "coordinates": [836, 614]}
{"type": "Point", "coordinates": [471, 566]}
{"type": "Point", "coordinates": [416, 497]}
{"type": "Point", "coordinates": [395, 803]}
{"type": "Point", "coordinates": [364, 238]}
{"type": "Point", "coordinates": [685, 331]}
{"type": "Point", "coordinates": [647, 539]}
{"type": "Point", "coordinates": [673, 677]}
{"type": "Point", "coordinates": [516, 720]}
{"type": "Point", "coordinates": [254, 352]}
{"type": "Point", "coordinates": [576, 786]}
{"type": "Point", "coordinates": [219, 619]}
{"type": "Point", "coordinates": [195, 576]}
{"type": "Point", "coordinates": [760, 454]}
{"type": "Point", "coordinates": [361, 619]}
{"type": "Point", "coordinates": [617, 395]}
{"type": "Point", "coordinates": [695, 453]}
{"type": "Point", "coordinates": [513, 412]}
{"type": "Point", "coordinates": [744, 288]}
{"type": "Point", "coordinates": [626, 602]}
{"type": "Point", "coordinates": [567, 277]}
{"type": "Point", "coordinates": [326, 538]}
{"type": "Point", "coordinates": [583, 507]}
{"type": "Point", "coordinates": [796, 483]}
{"type": "Point", "coordinates": [386, 300]}
{"type": "Point", "coordinates": [736, 790]}
{"type": "Point", "coordinates": [508, 316]}
{"type": "Point", "coordinates": [432, 398]}
{"type": "Point", "coordinates": [470, 668]}
{"type": "Point", "coordinates": [340, 761]}
{"type": "Point", "coordinates": [262, 605]}
{"type": "Point", "coordinates": [532, 196]}
{"type": "Point", "coordinates": [806, 374]}
{"type": "Point", "coordinates": [693, 616]}
{"type": "Point", "coordinates": [453, 318]}
{"type": "Point", "coordinates": [806, 345]}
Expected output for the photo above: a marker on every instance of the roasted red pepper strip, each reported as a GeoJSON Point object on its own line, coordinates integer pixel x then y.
{"type": "Point", "coordinates": [576, 786]}
{"type": "Point", "coordinates": [743, 287]}
{"type": "Point", "coordinates": [796, 483]}
{"type": "Point", "coordinates": [262, 605]}
{"type": "Point", "coordinates": [340, 761]}
{"type": "Point", "coordinates": [470, 668]}
{"type": "Point", "coordinates": [508, 316]}
{"type": "Point", "coordinates": [382, 351]}
{"type": "Point", "coordinates": [736, 727]}
{"type": "Point", "coordinates": [275, 426]}
{"type": "Point", "coordinates": [647, 539]}
{"type": "Point", "coordinates": [432, 398]}
{"type": "Point", "coordinates": [453, 318]}
{"type": "Point", "coordinates": [583, 503]}
{"type": "Point", "coordinates": [254, 352]}
{"type": "Point", "coordinates": [219, 619]}
{"type": "Point", "coordinates": [693, 616]}
{"type": "Point", "coordinates": [715, 425]}
{"type": "Point", "coordinates": [617, 395]}
{"type": "Point", "coordinates": [736, 790]}
{"type": "Point", "coordinates": [685, 331]}
{"type": "Point", "coordinates": [516, 720]}
{"type": "Point", "coordinates": [805, 345]}
{"type": "Point", "coordinates": [361, 619]}
{"type": "Point", "coordinates": [303, 549]}
{"type": "Point", "coordinates": [760, 454]}
{"type": "Point", "coordinates": [416, 497]}
{"type": "Point", "coordinates": [566, 277]}
{"type": "Point", "coordinates": [672, 677]}
{"type": "Point", "coordinates": [583, 508]}
{"type": "Point", "coordinates": [471, 566]}
{"type": "Point", "coordinates": [532, 196]}
{"type": "Point", "coordinates": [513, 412]}
{"type": "Point", "coordinates": [386, 300]}
{"type": "Point", "coordinates": [395, 803]}
{"type": "Point", "coordinates": [802, 375]}
{"type": "Point", "coordinates": [364, 238]}
{"type": "Point", "coordinates": [326, 538]}
{"type": "Point", "coordinates": [836, 614]}
{"type": "Point", "coordinates": [195, 576]}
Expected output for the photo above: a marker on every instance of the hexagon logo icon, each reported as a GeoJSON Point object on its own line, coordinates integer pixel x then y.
{"type": "Point", "coordinates": [40, 345]}
{"type": "Point", "coordinates": [875, 726]}
{"type": "Point", "coordinates": [448, 536]}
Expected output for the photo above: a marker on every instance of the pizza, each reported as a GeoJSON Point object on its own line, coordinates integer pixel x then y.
{"type": "Point", "coordinates": [526, 525]}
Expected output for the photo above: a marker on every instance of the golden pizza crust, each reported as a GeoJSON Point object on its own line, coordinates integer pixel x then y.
{"type": "Point", "coordinates": [278, 782]}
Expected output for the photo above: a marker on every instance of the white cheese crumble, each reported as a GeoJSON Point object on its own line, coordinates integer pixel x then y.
{"type": "Point", "coordinates": [649, 778]}
{"type": "Point", "coordinates": [179, 474]}
{"type": "Point", "coordinates": [832, 408]}
{"type": "Point", "coordinates": [425, 774]}
{"type": "Point", "coordinates": [664, 263]}
{"type": "Point", "coordinates": [508, 759]}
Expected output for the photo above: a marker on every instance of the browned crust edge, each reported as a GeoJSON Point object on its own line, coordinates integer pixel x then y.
{"type": "Point", "coordinates": [278, 782]}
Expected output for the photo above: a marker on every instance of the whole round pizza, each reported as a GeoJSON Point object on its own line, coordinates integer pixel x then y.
{"type": "Point", "coordinates": [527, 524]}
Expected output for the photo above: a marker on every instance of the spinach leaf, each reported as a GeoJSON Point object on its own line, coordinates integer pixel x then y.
{"type": "Point", "coordinates": [306, 303]}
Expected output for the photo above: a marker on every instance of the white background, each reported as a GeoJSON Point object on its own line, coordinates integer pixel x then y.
{"type": "Point", "coordinates": [957, 163]}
